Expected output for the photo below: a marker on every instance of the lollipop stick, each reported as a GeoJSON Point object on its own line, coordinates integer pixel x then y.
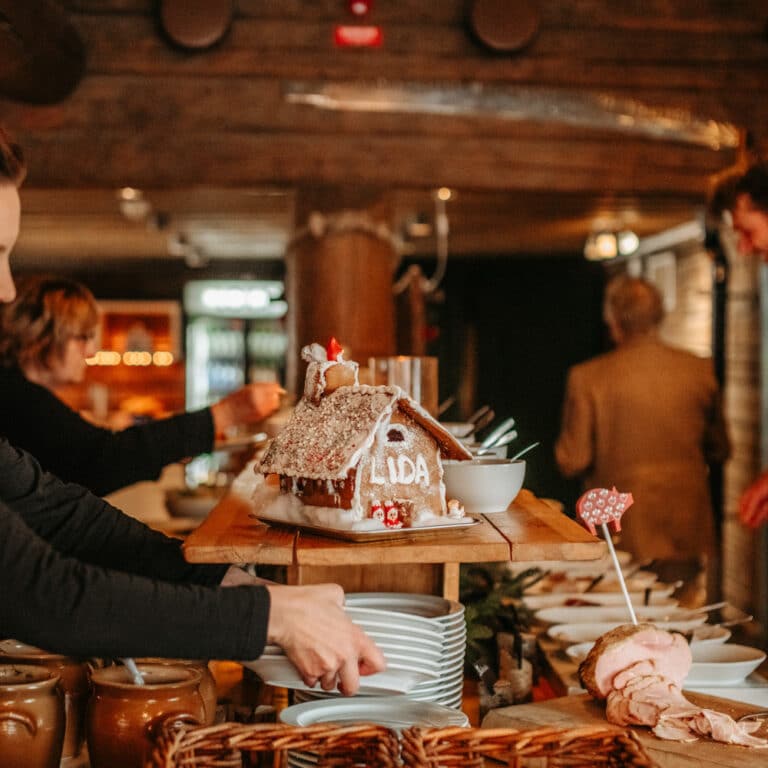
{"type": "Point", "coordinates": [619, 573]}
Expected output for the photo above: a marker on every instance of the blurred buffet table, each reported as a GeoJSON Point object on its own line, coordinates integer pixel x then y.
{"type": "Point", "coordinates": [529, 530]}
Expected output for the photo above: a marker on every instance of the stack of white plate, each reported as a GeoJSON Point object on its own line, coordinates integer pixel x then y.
{"type": "Point", "coordinates": [390, 711]}
{"type": "Point", "coordinates": [423, 632]}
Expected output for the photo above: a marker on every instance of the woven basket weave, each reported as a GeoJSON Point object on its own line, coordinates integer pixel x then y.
{"type": "Point", "coordinates": [361, 744]}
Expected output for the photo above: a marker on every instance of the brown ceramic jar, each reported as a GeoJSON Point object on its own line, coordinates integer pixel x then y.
{"type": "Point", "coordinates": [31, 717]}
{"type": "Point", "coordinates": [207, 681]}
{"type": "Point", "coordinates": [74, 681]}
{"type": "Point", "coordinates": [123, 718]}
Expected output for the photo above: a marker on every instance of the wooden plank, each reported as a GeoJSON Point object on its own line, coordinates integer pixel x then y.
{"type": "Point", "coordinates": [155, 160]}
{"type": "Point", "coordinates": [536, 531]}
{"type": "Point", "coordinates": [531, 530]}
{"type": "Point", "coordinates": [480, 543]}
{"type": "Point", "coordinates": [231, 534]}
{"type": "Point", "coordinates": [574, 711]}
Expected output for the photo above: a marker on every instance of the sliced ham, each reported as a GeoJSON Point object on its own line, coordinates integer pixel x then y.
{"type": "Point", "coordinates": [639, 670]}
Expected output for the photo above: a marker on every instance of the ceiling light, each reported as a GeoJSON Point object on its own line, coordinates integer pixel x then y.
{"type": "Point", "coordinates": [132, 203]}
{"type": "Point", "coordinates": [628, 242]}
{"type": "Point", "coordinates": [601, 246]}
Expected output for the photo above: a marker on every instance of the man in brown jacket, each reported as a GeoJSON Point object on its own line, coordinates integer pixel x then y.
{"type": "Point", "coordinates": [647, 418]}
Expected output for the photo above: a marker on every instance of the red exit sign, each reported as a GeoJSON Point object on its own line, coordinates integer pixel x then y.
{"type": "Point", "coordinates": [357, 36]}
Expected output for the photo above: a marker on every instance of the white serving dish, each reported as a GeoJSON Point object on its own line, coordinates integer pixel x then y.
{"type": "Point", "coordinates": [559, 599]}
{"type": "Point", "coordinates": [568, 634]}
{"type": "Point", "coordinates": [582, 568]}
{"type": "Point", "coordinates": [280, 672]}
{"type": "Point", "coordinates": [722, 664]}
{"type": "Point", "coordinates": [428, 606]}
{"type": "Point", "coordinates": [710, 634]}
{"type": "Point", "coordinates": [580, 614]}
{"type": "Point", "coordinates": [483, 485]}
{"type": "Point", "coordinates": [578, 651]}
{"type": "Point", "coordinates": [394, 712]}
{"type": "Point", "coordinates": [638, 582]}
{"type": "Point", "coordinates": [706, 634]}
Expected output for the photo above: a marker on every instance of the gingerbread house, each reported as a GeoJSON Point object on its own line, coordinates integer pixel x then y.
{"type": "Point", "coordinates": [361, 456]}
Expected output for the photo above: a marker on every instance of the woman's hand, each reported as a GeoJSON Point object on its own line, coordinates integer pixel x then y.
{"type": "Point", "coordinates": [310, 625]}
{"type": "Point", "coordinates": [249, 404]}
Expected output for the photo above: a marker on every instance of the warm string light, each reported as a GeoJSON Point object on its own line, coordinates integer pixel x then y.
{"type": "Point", "coordinates": [106, 357]}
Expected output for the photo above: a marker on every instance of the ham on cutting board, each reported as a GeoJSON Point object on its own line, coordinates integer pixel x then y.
{"type": "Point", "coordinates": [639, 671]}
{"type": "Point", "coordinates": [583, 710]}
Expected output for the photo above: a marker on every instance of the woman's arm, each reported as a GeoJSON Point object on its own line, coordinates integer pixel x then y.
{"type": "Point", "coordinates": [70, 607]}
{"type": "Point", "coordinates": [78, 524]}
{"type": "Point", "coordinates": [72, 448]}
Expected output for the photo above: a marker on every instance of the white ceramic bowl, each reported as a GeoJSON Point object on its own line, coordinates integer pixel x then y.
{"type": "Point", "coordinates": [497, 452]}
{"type": "Point", "coordinates": [723, 664]}
{"type": "Point", "coordinates": [483, 485]}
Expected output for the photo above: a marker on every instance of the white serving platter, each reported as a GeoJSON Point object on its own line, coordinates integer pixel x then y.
{"type": "Point", "coordinates": [579, 614]}
{"type": "Point", "coordinates": [429, 606]}
{"type": "Point", "coordinates": [723, 664]}
{"type": "Point", "coordinates": [281, 673]}
{"type": "Point", "coordinates": [559, 599]}
{"type": "Point", "coordinates": [395, 712]}
{"type": "Point", "coordinates": [568, 634]}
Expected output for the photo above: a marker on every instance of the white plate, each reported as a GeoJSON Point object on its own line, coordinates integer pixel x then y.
{"type": "Point", "coordinates": [578, 614]}
{"type": "Point", "coordinates": [559, 599]}
{"type": "Point", "coordinates": [703, 635]}
{"type": "Point", "coordinates": [578, 651]}
{"type": "Point", "coordinates": [392, 711]}
{"type": "Point", "coordinates": [428, 606]}
{"type": "Point", "coordinates": [724, 664]}
{"type": "Point", "coordinates": [710, 634]}
{"type": "Point", "coordinates": [588, 568]}
{"type": "Point", "coordinates": [418, 642]}
{"type": "Point", "coordinates": [568, 634]}
{"type": "Point", "coordinates": [281, 673]}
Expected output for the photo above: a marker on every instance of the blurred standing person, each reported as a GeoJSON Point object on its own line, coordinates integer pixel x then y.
{"type": "Point", "coordinates": [746, 197]}
{"type": "Point", "coordinates": [46, 334]}
{"type": "Point", "coordinates": [647, 418]}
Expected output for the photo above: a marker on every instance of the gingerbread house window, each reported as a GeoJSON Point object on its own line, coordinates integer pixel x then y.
{"type": "Point", "coordinates": [395, 435]}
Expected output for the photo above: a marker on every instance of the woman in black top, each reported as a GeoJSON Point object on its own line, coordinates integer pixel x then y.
{"type": "Point", "coordinates": [46, 334]}
{"type": "Point", "coordinates": [79, 577]}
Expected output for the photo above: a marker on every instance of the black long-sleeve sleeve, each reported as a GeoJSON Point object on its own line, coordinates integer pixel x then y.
{"type": "Point", "coordinates": [81, 578]}
{"type": "Point", "coordinates": [75, 450]}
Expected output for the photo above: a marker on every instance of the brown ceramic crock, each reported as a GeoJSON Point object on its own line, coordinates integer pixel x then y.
{"type": "Point", "coordinates": [31, 717]}
{"type": "Point", "coordinates": [207, 681]}
{"type": "Point", "coordinates": [123, 718]}
{"type": "Point", "coordinates": [74, 681]}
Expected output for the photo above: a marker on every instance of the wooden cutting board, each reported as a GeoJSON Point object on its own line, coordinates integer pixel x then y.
{"type": "Point", "coordinates": [570, 711]}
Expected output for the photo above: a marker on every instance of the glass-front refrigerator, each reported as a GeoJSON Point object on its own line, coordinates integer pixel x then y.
{"type": "Point", "coordinates": [234, 334]}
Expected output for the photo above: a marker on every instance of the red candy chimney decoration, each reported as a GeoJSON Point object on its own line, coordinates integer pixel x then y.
{"type": "Point", "coordinates": [600, 506]}
{"type": "Point", "coordinates": [333, 349]}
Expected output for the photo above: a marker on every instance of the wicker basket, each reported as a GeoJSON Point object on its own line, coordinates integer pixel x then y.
{"type": "Point", "coordinates": [233, 745]}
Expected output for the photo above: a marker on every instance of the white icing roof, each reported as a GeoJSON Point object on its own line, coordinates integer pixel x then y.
{"type": "Point", "coordinates": [324, 441]}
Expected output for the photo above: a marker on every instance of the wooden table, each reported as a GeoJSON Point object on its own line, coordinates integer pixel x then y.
{"type": "Point", "coordinates": [529, 530]}
{"type": "Point", "coordinates": [574, 711]}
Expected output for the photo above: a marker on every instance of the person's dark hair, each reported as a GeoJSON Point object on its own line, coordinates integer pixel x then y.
{"type": "Point", "coordinates": [47, 312]}
{"type": "Point", "coordinates": [13, 169]}
{"type": "Point", "coordinates": [633, 304]}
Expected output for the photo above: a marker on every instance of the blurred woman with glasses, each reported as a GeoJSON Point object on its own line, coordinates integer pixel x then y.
{"type": "Point", "coordinates": [46, 334]}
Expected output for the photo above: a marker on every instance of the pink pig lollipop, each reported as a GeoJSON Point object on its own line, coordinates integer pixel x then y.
{"type": "Point", "coordinates": [600, 507]}
{"type": "Point", "coordinates": [603, 506]}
